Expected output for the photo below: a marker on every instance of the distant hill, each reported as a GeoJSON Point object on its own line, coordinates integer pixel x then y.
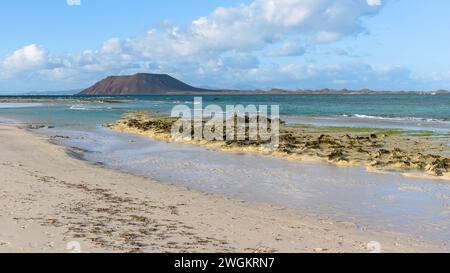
{"type": "Point", "coordinates": [139, 84]}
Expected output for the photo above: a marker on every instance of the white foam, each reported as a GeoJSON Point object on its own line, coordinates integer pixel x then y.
{"type": "Point", "coordinates": [393, 118]}
{"type": "Point", "coordinates": [12, 105]}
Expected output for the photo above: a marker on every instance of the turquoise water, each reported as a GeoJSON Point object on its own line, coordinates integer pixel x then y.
{"type": "Point", "coordinates": [412, 111]}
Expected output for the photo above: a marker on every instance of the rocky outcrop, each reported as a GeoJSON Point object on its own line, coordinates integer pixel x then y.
{"type": "Point", "coordinates": [376, 151]}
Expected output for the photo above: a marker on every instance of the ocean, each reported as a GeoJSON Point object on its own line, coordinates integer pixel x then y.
{"type": "Point", "coordinates": [409, 111]}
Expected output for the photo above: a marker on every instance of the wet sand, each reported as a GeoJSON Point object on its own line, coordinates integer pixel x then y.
{"type": "Point", "coordinates": [385, 200]}
{"type": "Point", "coordinates": [48, 199]}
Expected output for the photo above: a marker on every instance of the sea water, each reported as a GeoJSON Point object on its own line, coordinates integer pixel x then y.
{"type": "Point", "coordinates": [409, 111]}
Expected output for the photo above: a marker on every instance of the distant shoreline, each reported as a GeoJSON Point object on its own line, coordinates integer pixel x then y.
{"type": "Point", "coordinates": [249, 92]}
{"type": "Point", "coordinates": [310, 92]}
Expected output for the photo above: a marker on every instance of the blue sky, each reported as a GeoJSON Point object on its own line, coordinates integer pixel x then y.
{"type": "Point", "coordinates": [293, 44]}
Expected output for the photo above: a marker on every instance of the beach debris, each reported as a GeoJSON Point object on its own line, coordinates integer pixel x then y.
{"type": "Point", "coordinates": [319, 249]}
{"type": "Point", "coordinates": [37, 126]}
{"type": "Point", "coordinates": [5, 244]}
{"type": "Point", "coordinates": [261, 250]}
{"type": "Point", "coordinates": [60, 136]}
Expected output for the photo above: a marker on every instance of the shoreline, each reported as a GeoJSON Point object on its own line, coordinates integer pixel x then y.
{"type": "Point", "coordinates": [52, 199]}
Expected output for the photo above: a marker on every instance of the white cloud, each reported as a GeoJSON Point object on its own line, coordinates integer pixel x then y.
{"type": "Point", "coordinates": [240, 61]}
{"type": "Point", "coordinates": [249, 28]}
{"type": "Point", "coordinates": [338, 76]}
{"type": "Point", "coordinates": [73, 2]}
{"type": "Point", "coordinates": [288, 49]}
{"type": "Point", "coordinates": [24, 59]}
{"type": "Point", "coordinates": [440, 76]}
{"type": "Point", "coordinates": [374, 2]}
{"type": "Point", "coordinates": [112, 46]}
{"type": "Point", "coordinates": [327, 36]}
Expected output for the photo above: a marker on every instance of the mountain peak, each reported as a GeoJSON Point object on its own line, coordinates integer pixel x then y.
{"type": "Point", "coordinates": [139, 84]}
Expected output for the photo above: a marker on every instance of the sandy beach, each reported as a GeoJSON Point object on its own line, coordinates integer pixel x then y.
{"type": "Point", "coordinates": [48, 199]}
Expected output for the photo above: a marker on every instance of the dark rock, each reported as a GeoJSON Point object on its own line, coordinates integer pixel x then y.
{"type": "Point", "coordinates": [337, 155]}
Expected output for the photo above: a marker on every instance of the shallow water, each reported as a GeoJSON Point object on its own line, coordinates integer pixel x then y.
{"type": "Point", "coordinates": [374, 122]}
{"type": "Point", "coordinates": [386, 201]}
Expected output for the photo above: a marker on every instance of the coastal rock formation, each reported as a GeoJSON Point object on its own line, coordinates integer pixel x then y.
{"type": "Point", "coordinates": [139, 84]}
{"type": "Point", "coordinates": [379, 151]}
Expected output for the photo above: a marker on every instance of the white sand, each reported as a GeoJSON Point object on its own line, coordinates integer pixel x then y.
{"type": "Point", "coordinates": [48, 199]}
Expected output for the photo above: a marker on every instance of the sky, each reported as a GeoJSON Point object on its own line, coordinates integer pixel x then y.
{"type": "Point", "coordinates": [235, 44]}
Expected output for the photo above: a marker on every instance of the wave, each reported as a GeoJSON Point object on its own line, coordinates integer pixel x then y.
{"type": "Point", "coordinates": [362, 116]}
{"type": "Point", "coordinates": [79, 107]}
{"type": "Point", "coordinates": [11, 105]}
